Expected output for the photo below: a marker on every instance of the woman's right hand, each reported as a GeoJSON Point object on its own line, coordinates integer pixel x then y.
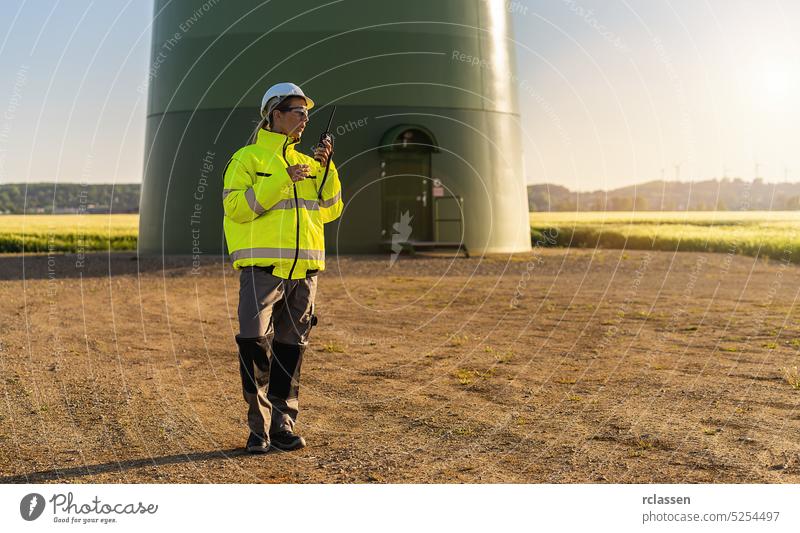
{"type": "Point", "coordinates": [298, 172]}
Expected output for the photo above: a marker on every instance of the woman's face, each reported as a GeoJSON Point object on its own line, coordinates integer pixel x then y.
{"type": "Point", "coordinates": [291, 117]}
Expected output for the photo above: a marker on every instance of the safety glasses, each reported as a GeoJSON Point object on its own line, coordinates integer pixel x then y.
{"type": "Point", "coordinates": [301, 111]}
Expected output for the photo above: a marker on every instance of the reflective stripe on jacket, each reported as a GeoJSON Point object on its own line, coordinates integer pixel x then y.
{"type": "Point", "coordinates": [268, 219]}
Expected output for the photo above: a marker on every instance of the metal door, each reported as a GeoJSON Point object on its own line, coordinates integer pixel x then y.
{"type": "Point", "coordinates": [406, 196]}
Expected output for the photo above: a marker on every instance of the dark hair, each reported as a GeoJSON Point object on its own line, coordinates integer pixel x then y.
{"type": "Point", "coordinates": [280, 107]}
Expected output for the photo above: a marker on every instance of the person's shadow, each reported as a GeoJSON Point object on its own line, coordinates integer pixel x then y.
{"type": "Point", "coordinates": [67, 474]}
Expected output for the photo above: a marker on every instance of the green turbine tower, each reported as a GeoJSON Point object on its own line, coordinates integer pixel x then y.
{"type": "Point", "coordinates": [427, 129]}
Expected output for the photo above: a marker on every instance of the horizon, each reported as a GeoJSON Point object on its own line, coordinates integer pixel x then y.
{"type": "Point", "coordinates": [719, 179]}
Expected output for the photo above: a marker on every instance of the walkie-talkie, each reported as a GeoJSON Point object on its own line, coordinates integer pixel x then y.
{"type": "Point", "coordinates": [326, 135]}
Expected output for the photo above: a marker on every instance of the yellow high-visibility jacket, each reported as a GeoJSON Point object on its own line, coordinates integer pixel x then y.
{"type": "Point", "coordinates": [270, 221]}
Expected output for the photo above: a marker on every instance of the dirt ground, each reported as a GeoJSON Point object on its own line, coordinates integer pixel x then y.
{"type": "Point", "coordinates": [556, 366]}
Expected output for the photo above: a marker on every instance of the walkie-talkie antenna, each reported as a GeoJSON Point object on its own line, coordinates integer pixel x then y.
{"type": "Point", "coordinates": [330, 120]}
{"type": "Point", "coordinates": [326, 135]}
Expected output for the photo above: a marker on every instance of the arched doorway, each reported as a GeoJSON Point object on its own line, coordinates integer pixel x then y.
{"type": "Point", "coordinates": [407, 184]}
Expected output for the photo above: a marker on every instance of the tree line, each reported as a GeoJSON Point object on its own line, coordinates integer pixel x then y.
{"type": "Point", "coordinates": [711, 195]}
{"type": "Point", "coordinates": [31, 198]}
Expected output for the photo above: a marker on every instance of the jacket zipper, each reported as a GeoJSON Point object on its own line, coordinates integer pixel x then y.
{"type": "Point", "coordinates": [297, 216]}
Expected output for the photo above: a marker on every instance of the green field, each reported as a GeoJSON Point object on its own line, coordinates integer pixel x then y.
{"type": "Point", "coordinates": [67, 233]}
{"type": "Point", "coordinates": [771, 234]}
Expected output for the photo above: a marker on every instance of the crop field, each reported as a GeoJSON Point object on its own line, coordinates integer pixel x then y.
{"type": "Point", "coordinates": [772, 234]}
{"type": "Point", "coordinates": [67, 233]}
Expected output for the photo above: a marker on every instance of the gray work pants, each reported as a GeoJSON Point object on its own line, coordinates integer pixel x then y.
{"type": "Point", "coordinates": [275, 319]}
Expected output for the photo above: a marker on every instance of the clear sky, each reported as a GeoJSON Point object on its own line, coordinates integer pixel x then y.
{"type": "Point", "coordinates": [617, 92]}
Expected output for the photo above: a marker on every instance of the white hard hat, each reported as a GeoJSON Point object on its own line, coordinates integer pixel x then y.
{"type": "Point", "coordinates": [280, 91]}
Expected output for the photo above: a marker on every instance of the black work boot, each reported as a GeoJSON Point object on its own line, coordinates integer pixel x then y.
{"type": "Point", "coordinates": [284, 388]}
{"type": "Point", "coordinates": [287, 441]}
{"type": "Point", "coordinates": [257, 443]}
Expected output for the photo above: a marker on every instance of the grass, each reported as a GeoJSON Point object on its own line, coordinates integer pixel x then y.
{"type": "Point", "coordinates": [504, 357]}
{"type": "Point", "coordinates": [792, 377]}
{"type": "Point", "coordinates": [772, 234]}
{"type": "Point", "coordinates": [458, 340]}
{"type": "Point", "coordinates": [67, 233]}
{"type": "Point", "coordinates": [466, 376]}
{"type": "Point", "coordinates": [333, 347]}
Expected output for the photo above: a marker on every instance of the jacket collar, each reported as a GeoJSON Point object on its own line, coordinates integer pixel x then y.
{"type": "Point", "coordinates": [275, 141]}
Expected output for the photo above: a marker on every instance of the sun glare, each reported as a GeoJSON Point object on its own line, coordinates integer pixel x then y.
{"type": "Point", "coordinates": [779, 80]}
{"type": "Point", "coordinates": [776, 82]}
